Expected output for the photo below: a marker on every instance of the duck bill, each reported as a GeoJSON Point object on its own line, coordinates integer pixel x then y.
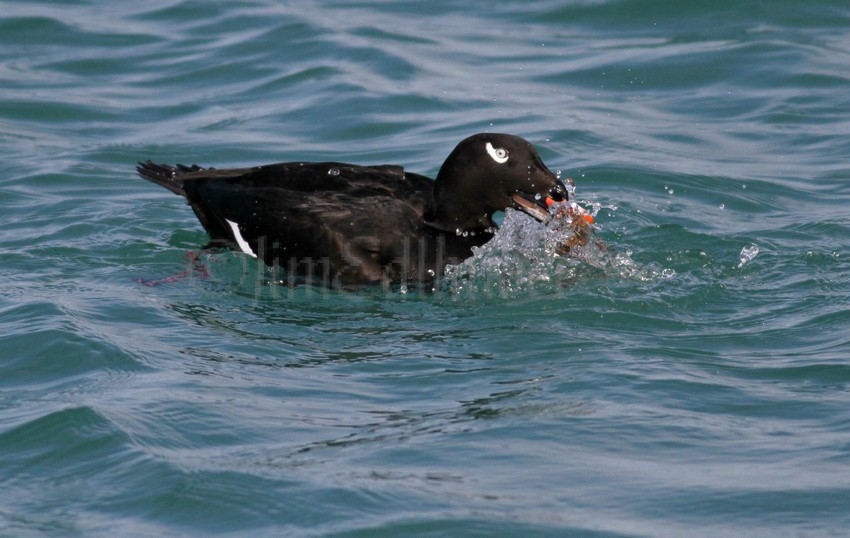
{"type": "Point", "coordinates": [534, 208]}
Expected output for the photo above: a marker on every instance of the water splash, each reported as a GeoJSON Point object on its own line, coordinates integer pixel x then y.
{"type": "Point", "coordinates": [526, 255]}
{"type": "Point", "coordinates": [747, 254]}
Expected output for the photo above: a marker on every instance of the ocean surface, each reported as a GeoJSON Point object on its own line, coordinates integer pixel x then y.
{"type": "Point", "coordinates": [691, 378]}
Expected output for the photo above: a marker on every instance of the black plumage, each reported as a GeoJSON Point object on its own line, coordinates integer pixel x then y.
{"type": "Point", "coordinates": [348, 224]}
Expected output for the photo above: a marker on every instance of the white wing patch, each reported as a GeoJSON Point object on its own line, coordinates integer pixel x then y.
{"type": "Point", "coordinates": [500, 155]}
{"type": "Point", "coordinates": [237, 235]}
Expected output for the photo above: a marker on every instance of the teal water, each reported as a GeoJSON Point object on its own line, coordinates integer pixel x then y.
{"type": "Point", "coordinates": [694, 380]}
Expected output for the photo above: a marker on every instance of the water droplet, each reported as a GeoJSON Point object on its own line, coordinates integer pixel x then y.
{"type": "Point", "coordinates": [430, 272]}
{"type": "Point", "coordinates": [538, 196]}
{"type": "Point", "coordinates": [458, 231]}
{"type": "Point", "coordinates": [334, 171]}
{"type": "Point", "coordinates": [748, 253]}
{"type": "Point", "coordinates": [403, 288]}
{"type": "Point", "coordinates": [722, 206]}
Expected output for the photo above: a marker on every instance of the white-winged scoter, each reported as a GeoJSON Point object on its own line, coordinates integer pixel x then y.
{"type": "Point", "coordinates": [348, 225]}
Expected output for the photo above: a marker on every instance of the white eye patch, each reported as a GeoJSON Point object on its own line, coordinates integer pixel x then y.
{"type": "Point", "coordinates": [500, 155]}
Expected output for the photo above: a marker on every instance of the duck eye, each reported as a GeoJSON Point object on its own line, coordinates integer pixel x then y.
{"type": "Point", "coordinates": [557, 194]}
{"type": "Point", "coordinates": [500, 155]}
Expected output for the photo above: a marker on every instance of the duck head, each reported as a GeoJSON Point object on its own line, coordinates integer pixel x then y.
{"type": "Point", "coordinates": [490, 172]}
